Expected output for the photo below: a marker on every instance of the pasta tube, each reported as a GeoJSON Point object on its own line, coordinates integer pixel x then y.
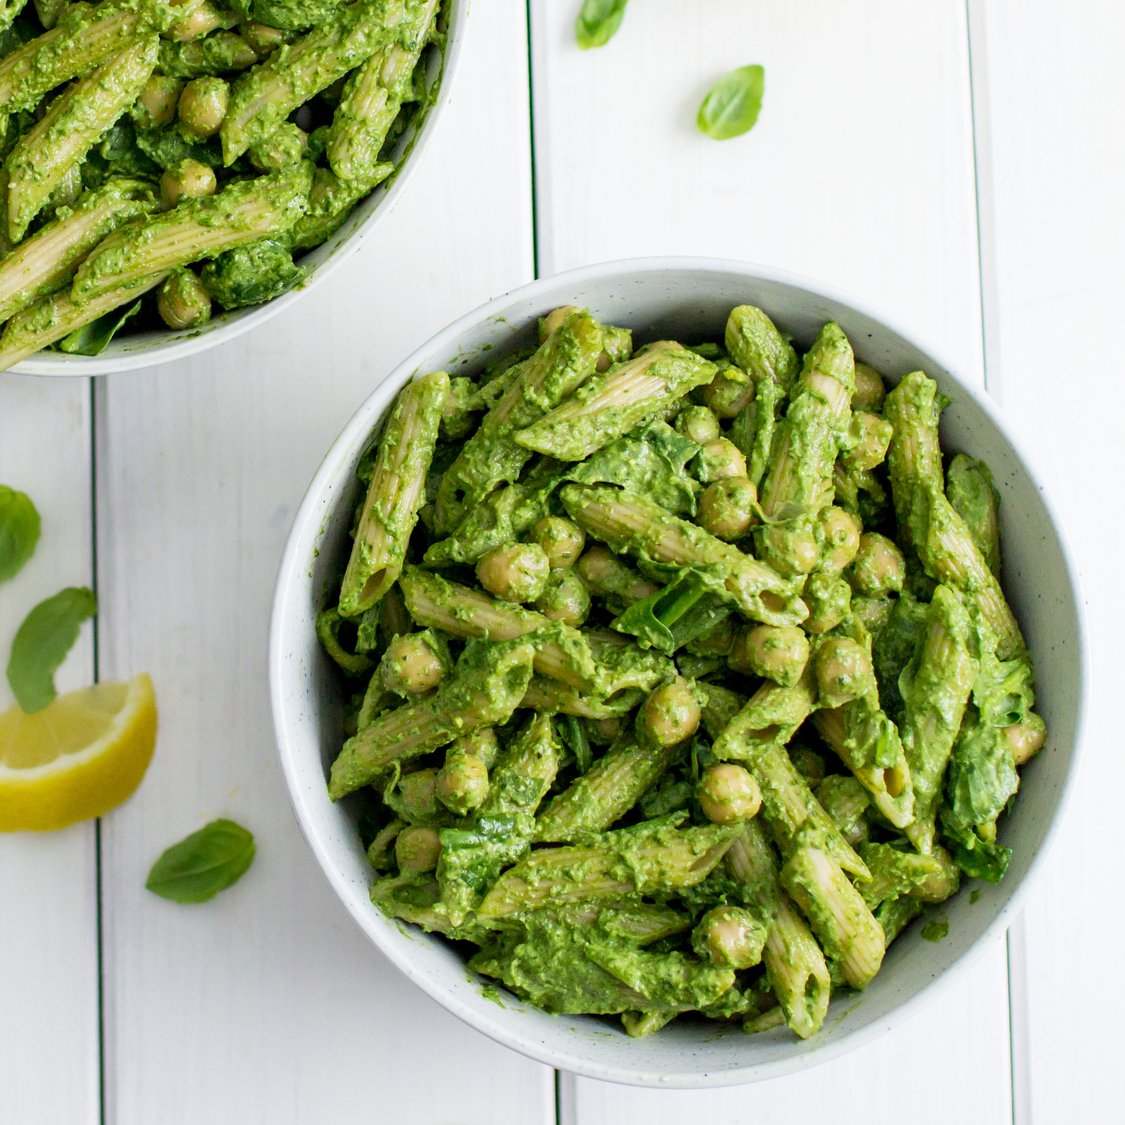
{"type": "Point", "coordinates": [195, 228]}
{"type": "Point", "coordinates": [794, 962]}
{"type": "Point", "coordinates": [756, 345]}
{"type": "Point", "coordinates": [396, 492]}
{"type": "Point", "coordinates": [839, 917]}
{"type": "Point", "coordinates": [636, 525]}
{"type": "Point", "coordinates": [605, 792]}
{"type": "Point", "coordinates": [645, 860]}
{"type": "Point", "coordinates": [47, 259]}
{"type": "Point", "coordinates": [374, 95]}
{"type": "Point", "coordinates": [935, 690]}
{"type": "Point", "coordinates": [70, 127]}
{"type": "Point", "coordinates": [610, 405]}
{"type": "Point", "coordinates": [52, 317]}
{"type": "Point", "coordinates": [265, 96]}
{"type": "Point", "coordinates": [487, 683]}
{"type": "Point", "coordinates": [566, 358]}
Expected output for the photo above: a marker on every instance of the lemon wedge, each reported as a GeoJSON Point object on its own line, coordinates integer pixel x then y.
{"type": "Point", "coordinates": [76, 759]}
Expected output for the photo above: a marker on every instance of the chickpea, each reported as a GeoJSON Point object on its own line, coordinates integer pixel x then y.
{"type": "Point", "coordinates": [728, 793]}
{"type": "Point", "coordinates": [412, 664]}
{"type": "Point", "coordinates": [717, 641]}
{"type": "Point", "coordinates": [604, 731]}
{"type": "Point", "coordinates": [670, 715]}
{"type": "Point", "coordinates": [561, 539]}
{"type": "Point", "coordinates": [417, 848]}
{"type": "Point", "coordinates": [879, 567]}
{"type": "Point", "coordinates": [843, 671]}
{"type": "Point", "coordinates": [729, 937]}
{"type": "Point", "coordinates": [417, 794]}
{"type": "Point", "coordinates": [728, 507]}
{"type": "Point", "coordinates": [845, 801]}
{"type": "Point", "coordinates": [462, 782]}
{"type": "Point", "coordinates": [809, 764]}
{"type": "Point", "coordinates": [870, 389]}
{"type": "Point", "coordinates": [263, 39]}
{"type": "Point", "coordinates": [517, 573]}
{"type": "Point", "coordinates": [203, 105]}
{"type": "Point", "coordinates": [196, 24]}
{"type": "Point", "coordinates": [285, 146]}
{"type": "Point", "coordinates": [1026, 738]}
{"type": "Point", "coordinates": [872, 611]}
{"type": "Point", "coordinates": [870, 437]}
{"type": "Point", "coordinates": [776, 652]}
{"type": "Point", "coordinates": [601, 571]}
{"type": "Point", "coordinates": [828, 597]}
{"type": "Point", "coordinates": [157, 101]}
{"type": "Point", "coordinates": [839, 537]}
{"type": "Point", "coordinates": [719, 459]}
{"type": "Point", "coordinates": [728, 393]}
{"type": "Point", "coordinates": [698, 424]}
{"type": "Point", "coordinates": [789, 550]}
{"type": "Point", "coordinates": [187, 179]}
{"type": "Point", "coordinates": [565, 598]}
{"type": "Point", "coordinates": [481, 743]}
{"type": "Point", "coordinates": [182, 300]}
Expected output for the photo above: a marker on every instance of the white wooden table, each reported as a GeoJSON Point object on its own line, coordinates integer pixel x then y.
{"type": "Point", "coordinates": [958, 162]}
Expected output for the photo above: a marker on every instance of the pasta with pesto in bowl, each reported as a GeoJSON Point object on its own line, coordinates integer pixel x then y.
{"type": "Point", "coordinates": [682, 677]}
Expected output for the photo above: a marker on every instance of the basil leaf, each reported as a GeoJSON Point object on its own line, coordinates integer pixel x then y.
{"type": "Point", "coordinates": [19, 531]}
{"type": "Point", "coordinates": [202, 864]}
{"type": "Point", "coordinates": [42, 642]}
{"type": "Point", "coordinates": [92, 338]}
{"type": "Point", "coordinates": [598, 22]}
{"type": "Point", "coordinates": [732, 105]}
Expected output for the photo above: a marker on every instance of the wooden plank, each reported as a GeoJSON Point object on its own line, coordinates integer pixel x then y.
{"type": "Point", "coordinates": [859, 172]}
{"type": "Point", "coordinates": [268, 1003]}
{"type": "Point", "coordinates": [48, 883]}
{"type": "Point", "coordinates": [1053, 238]}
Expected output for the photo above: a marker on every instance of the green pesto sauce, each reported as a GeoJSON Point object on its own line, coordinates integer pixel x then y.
{"type": "Point", "coordinates": [936, 930]}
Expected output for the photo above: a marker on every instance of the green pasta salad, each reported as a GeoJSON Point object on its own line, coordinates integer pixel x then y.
{"type": "Point", "coordinates": [163, 159]}
{"type": "Point", "coordinates": [681, 679]}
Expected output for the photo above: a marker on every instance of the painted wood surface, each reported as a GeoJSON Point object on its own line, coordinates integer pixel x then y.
{"type": "Point", "coordinates": [904, 155]}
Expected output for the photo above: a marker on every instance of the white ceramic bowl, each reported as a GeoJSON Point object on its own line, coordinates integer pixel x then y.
{"type": "Point", "coordinates": [146, 349]}
{"type": "Point", "coordinates": [688, 299]}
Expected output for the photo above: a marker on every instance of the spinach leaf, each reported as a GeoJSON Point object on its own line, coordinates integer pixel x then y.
{"type": "Point", "coordinates": [42, 642]}
{"type": "Point", "coordinates": [19, 531]}
{"type": "Point", "coordinates": [732, 105]}
{"type": "Point", "coordinates": [598, 22]}
{"type": "Point", "coordinates": [92, 338]}
{"type": "Point", "coordinates": [202, 864]}
{"type": "Point", "coordinates": [674, 615]}
{"type": "Point", "coordinates": [649, 462]}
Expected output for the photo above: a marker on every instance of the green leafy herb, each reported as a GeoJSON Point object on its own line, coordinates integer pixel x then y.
{"type": "Point", "coordinates": [598, 22]}
{"type": "Point", "coordinates": [732, 105]}
{"type": "Point", "coordinates": [42, 642]}
{"type": "Point", "coordinates": [935, 931]}
{"type": "Point", "coordinates": [674, 615]}
{"type": "Point", "coordinates": [19, 531]}
{"type": "Point", "coordinates": [202, 864]}
{"type": "Point", "coordinates": [92, 338]}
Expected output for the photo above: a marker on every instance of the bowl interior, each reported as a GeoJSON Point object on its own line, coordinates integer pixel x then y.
{"type": "Point", "coordinates": [144, 349]}
{"type": "Point", "coordinates": [690, 303]}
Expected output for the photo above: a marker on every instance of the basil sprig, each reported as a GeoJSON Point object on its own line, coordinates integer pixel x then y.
{"type": "Point", "coordinates": [19, 531]}
{"type": "Point", "coordinates": [598, 22]}
{"type": "Point", "coordinates": [202, 864]}
{"type": "Point", "coordinates": [732, 105]}
{"type": "Point", "coordinates": [42, 642]}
